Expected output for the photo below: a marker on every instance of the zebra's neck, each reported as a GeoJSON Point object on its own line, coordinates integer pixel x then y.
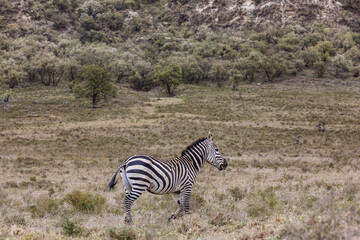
{"type": "Point", "coordinates": [196, 155]}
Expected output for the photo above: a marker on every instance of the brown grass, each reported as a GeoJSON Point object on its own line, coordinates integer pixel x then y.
{"type": "Point", "coordinates": [52, 145]}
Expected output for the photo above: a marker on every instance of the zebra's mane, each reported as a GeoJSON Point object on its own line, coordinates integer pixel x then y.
{"type": "Point", "coordinates": [193, 144]}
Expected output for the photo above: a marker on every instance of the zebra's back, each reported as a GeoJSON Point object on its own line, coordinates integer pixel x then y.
{"type": "Point", "coordinates": [156, 176]}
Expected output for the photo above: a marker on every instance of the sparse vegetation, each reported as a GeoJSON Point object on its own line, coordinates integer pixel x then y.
{"type": "Point", "coordinates": [270, 178]}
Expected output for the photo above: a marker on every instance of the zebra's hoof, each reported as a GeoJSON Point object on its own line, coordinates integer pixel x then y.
{"type": "Point", "coordinates": [172, 217]}
{"type": "Point", "coordinates": [128, 220]}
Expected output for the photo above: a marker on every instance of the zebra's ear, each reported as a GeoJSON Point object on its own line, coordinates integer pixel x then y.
{"type": "Point", "coordinates": [210, 136]}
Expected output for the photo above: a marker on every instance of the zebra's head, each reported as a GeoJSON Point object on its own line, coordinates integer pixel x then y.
{"type": "Point", "coordinates": [214, 157]}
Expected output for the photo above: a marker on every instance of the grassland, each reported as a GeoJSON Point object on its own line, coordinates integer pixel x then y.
{"type": "Point", "coordinates": [55, 152]}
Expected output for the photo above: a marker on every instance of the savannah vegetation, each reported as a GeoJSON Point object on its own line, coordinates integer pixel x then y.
{"type": "Point", "coordinates": [56, 40]}
{"type": "Point", "coordinates": [282, 102]}
{"type": "Point", "coordinates": [285, 179]}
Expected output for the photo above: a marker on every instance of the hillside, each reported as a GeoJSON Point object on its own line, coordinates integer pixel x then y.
{"type": "Point", "coordinates": [63, 15]}
{"type": "Point", "coordinates": [50, 42]}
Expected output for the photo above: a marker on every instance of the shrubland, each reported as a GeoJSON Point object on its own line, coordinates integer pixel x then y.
{"type": "Point", "coordinates": [64, 37]}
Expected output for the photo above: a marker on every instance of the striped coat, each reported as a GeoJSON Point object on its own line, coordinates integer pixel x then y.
{"type": "Point", "coordinates": [142, 173]}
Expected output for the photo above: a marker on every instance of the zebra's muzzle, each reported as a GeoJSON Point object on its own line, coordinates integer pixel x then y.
{"type": "Point", "coordinates": [223, 165]}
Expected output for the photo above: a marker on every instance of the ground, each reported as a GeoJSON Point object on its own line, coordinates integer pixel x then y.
{"type": "Point", "coordinates": [285, 178]}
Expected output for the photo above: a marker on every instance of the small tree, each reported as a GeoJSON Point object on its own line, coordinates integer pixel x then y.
{"type": "Point", "coordinates": [220, 74]}
{"type": "Point", "coordinates": [319, 68]}
{"type": "Point", "coordinates": [341, 64]}
{"type": "Point", "coordinates": [96, 85]}
{"type": "Point", "coordinates": [273, 67]}
{"type": "Point", "coordinates": [169, 77]}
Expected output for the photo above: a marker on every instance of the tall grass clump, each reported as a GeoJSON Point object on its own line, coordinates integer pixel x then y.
{"type": "Point", "coordinates": [45, 206]}
{"type": "Point", "coordinates": [85, 201]}
{"type": "Point", "coordinates": [124, 233]}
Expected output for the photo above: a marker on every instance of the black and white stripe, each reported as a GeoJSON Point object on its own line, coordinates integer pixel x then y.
{"type": "Point", "coordinates": [142, 173]}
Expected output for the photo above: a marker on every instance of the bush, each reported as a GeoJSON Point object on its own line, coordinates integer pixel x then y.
{"type": "Point", "coordinates": [273, 67]}
{"type": "Point", "coordinates": [141, 78]}
{"type": "Point", "coordinates": [113, 20]}
{"type": "Point", "coordinates": [141, 83]}
{"type": "Point", "coordinates": [124, 233]}
{"type": "Point", "coordinates": [250, 65]}
{"type": "Point", "coordinates": [319, 68]}
{"type": "Point", "coordinates": [220, 74]}
{"type": "Point", "coordinates": [71, 228]}
{"type": "Point", "coordinates": [168, 76]}
{"type": "Point", "coordinates": [289, 42]}
{"type": "Point", "coordinates": [97, 85]}
{"type": "Point", "coordinates": [45, 206]}
{"type": "Point", "coordinates": [310, 56]}
{"type": "Point", "coordinates": [191, 71]}
{"type": "Point", "coordinates": [88, 23]}
{"type": "Point", "coordinates": [85, 201]}
{"type": "Point", "coordinates": [341, 64]}
{"type": "Point", "coordinates": [237, 193]}
{"type": "Point", "coordinates": [325, 49]}
{"type": "Point", "coordinates": [6, 96]}
{"type": "Point", "coordinates": [12, 78]}
{"type": "Point", "coordinates": [236, 79]}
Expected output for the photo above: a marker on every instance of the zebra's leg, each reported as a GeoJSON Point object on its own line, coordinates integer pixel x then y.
{"type": "Point", "coordinates": [129, 200]}
{"type": "Point", "coordinates": [186, 200]}
{"type": "Point", "coordinates": [178, 199]}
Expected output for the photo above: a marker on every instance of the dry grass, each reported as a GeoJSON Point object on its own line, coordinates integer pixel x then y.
{"type": "Point", "coordinates": [52, 146]}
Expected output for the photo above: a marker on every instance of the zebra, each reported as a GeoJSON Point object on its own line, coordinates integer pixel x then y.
{"type": "Point", "coordinates": [177, 175]}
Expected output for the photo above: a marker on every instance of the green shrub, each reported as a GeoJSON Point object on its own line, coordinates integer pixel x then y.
{"type": "Point", "coordinates": [237, 193]}
{"type": "Point", "coordinates": [319, 68]}
{"type": "Point", "coordinates": [191, 71]}
{"type": "Point", "coordinates": [85, 201]}
{"type": "Point", "coordinates": [113, 20]}
{"type": "Point", "coordinates": [71, 228]}
{"type": "Point", "coordinates": [13, 77]}
{"type": "Point", "coordinates": [289, 42]}
{"type": "Point", "coordinates": [124, 233]}
{"type": "Point", "coordinates": [45, 206]}
{"type": "Point", "coordinates": [59, 21]}
{"type": "Point", "coordinates": [236, 79]}
{"type": "Point", "coordinates": [310, 56]}
{"type": "Point", "coordinates": [353, 53]}
{"type": "Point", "coordinates": [326, 49]}
{"type": "Point", "coordinates": [96, 85]}
{"type": "Point", "coordinates": [250, 65]}
{"type": "Point", "coordinates": [268, 196]}
{"type": "Point", "coordinates": [88, 23]}
{"type": "Point", "coordinates": [273, 67]}
{"type": "Point", "coordinates": [255, 210]}
{"type": "Point", "coordinates": [295, 66]}
{"type": "Point", "coordinates": [341, 64]}
{"type": "Point", "coordinates": [168, 76]}
{"type": "Point", "coordinates": [220, 74]}
{"type": "Point", "coordinates": [141, 83]}
{"type": "Point", "coordinates": [6, 96]}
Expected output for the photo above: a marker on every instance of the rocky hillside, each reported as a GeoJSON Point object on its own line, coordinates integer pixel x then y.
{"type": "Point", "coordinates": [60, 15]}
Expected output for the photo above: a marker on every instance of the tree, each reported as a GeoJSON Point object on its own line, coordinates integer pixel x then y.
{"type": "Point", "coordinates": [96, 85]}
{"type": "Point", "coordinates": [220, 74]}
{"type": "Point", "coordinates": [169, 77]}
{"type": "Point", "coordinates": [273, 67]}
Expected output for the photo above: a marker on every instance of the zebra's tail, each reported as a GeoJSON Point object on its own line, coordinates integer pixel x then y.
{"type": "Point", "coordinates": [113, 180]}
